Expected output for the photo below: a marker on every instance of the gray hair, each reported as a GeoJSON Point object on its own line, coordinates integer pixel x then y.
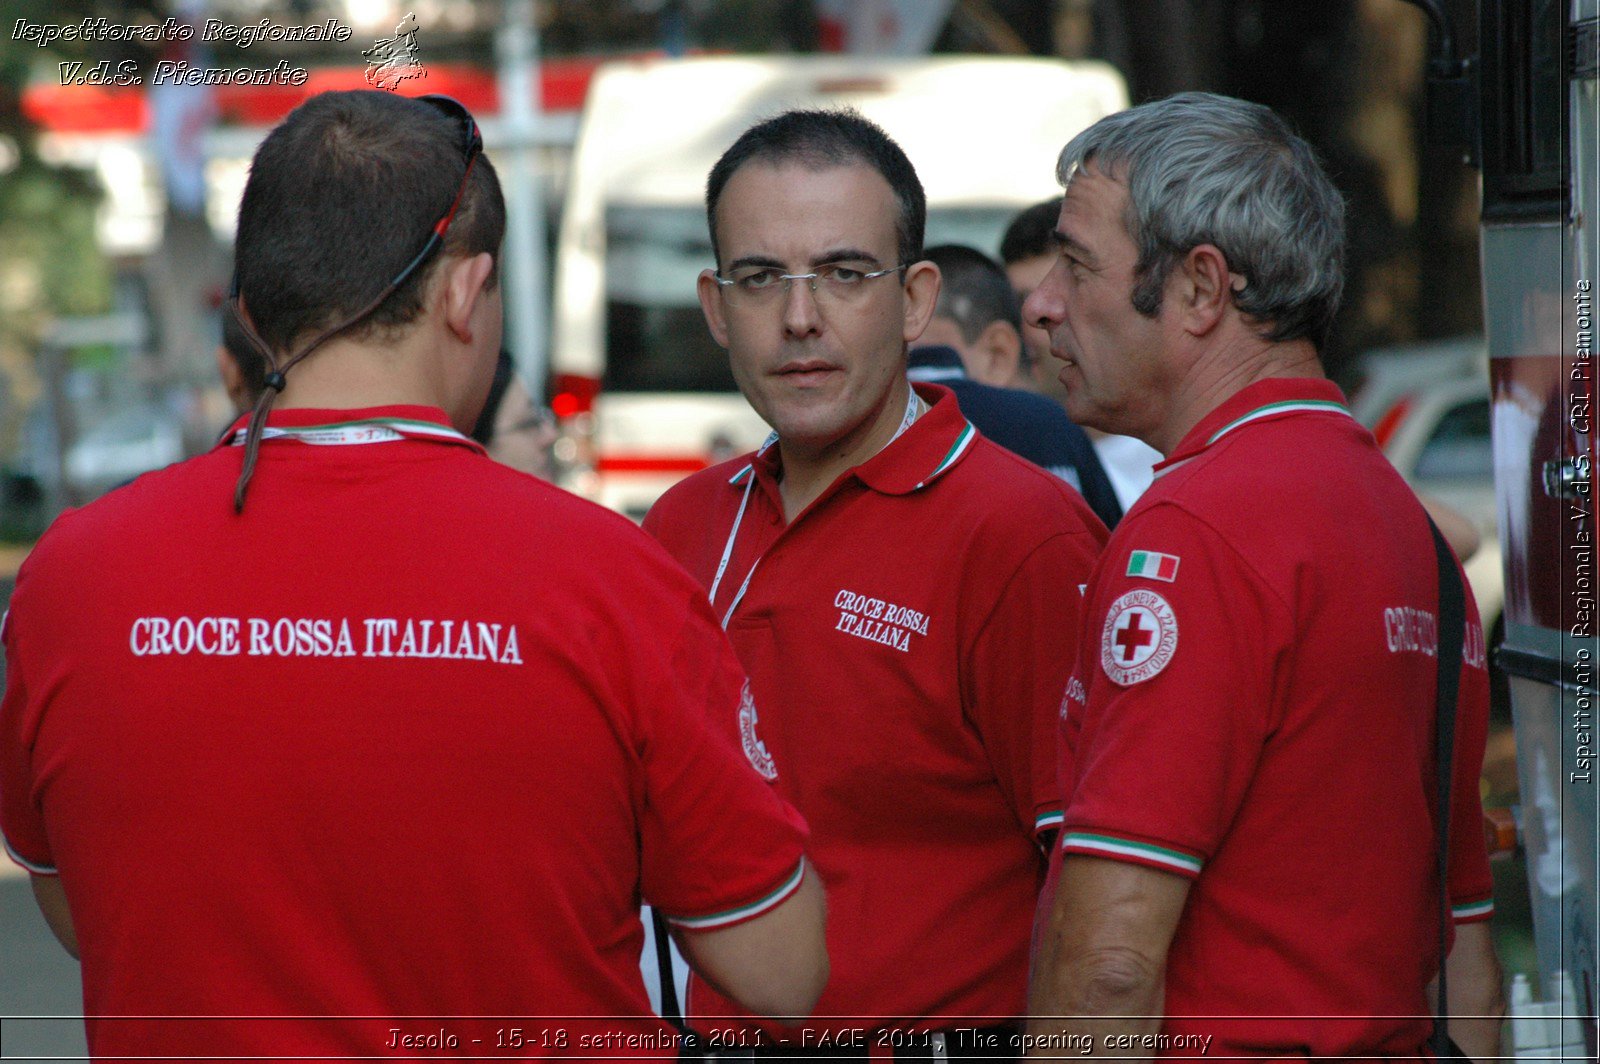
{"type": "Point", "coordinates": [1207, 169]}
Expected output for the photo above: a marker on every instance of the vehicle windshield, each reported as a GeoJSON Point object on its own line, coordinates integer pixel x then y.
{"type": "Point", "coordinates": [656, 337]}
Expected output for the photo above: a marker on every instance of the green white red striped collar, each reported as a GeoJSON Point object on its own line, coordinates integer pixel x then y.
{"type": "Point", "coordinates": [345, 428]}
{"type": "Point", "coordinates": [922, 453]}
{"type": "Point", "coordinates": [1264, 400]}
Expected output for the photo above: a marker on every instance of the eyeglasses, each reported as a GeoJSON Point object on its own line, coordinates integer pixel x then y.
{"type": "Point", "coordinates": [836, 282]}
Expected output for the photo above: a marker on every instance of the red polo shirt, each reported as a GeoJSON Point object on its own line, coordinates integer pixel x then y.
{"type": "Point", "coordinates": [1253, 708]}
{"type": "Point", "coordinates": [410, 737]}
{"type": "Point", "coordinates": [907, 637]}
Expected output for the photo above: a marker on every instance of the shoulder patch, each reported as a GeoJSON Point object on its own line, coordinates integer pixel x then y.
{"type": "Point", "coordinates": [1139, 638]}
{"type": "Point", "coordinates": [754, 749]}
{"type": "Point", "coordinates": [1153, 565]}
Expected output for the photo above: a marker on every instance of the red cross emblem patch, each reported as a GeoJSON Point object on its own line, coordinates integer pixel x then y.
{"type": "Point", "coordinates": [754, 749]}
{"type": "Point", "coordinates": [1139, 638]}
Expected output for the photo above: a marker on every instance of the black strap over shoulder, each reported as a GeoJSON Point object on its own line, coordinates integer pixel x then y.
{"type": "Point", "coordinates": [1451, 636]}
{"type": "Point", "coordinates": [671, 1010]}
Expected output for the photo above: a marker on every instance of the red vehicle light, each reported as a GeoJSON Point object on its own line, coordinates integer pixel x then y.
{"type": "Point", "coordinates": [573, 395]}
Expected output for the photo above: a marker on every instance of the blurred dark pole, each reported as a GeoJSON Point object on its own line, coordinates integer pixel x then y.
{"type": "Point", "coordinates": [797, 25]}
{"type": "Point", "coordinates": [1447, 216]}
{"type": "Point", "coordinates": [1303, 60]}
{"type": "Point", "coordinates": [797, 29]}
{"type": "Point", "coordinates": [1162, 46]}
{"type": "Point", "coordinates": [1033, 22]}
{"type": "Point", "coordinates": [674, 28]}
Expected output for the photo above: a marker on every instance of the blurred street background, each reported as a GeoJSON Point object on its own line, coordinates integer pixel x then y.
{"type": "Point", "coordinates": [117, 207]}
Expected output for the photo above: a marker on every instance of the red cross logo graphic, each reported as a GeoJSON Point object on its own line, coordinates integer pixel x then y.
{"type": "Point", "coordinates": [1132, 635]}
{"type": "Point", "coordinates": [1139, 637]}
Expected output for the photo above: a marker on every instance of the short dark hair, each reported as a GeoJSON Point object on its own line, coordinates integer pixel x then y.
{"type": "Point", "coordinates": [820, 138]}
{"type": "Point", "coordinates": [341, 196]}
{"type": "Point", "coordinates": [1031, 233]}
{"type": "Point", "coordinates": [974, 291]}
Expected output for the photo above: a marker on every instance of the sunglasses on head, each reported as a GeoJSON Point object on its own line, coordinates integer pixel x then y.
{"type": "Point", "coordinates": [471, 148]}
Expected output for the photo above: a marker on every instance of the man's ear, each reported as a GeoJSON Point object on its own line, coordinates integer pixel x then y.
{"type": "Point", "coordinates": [1206, 288]}
{"type": "Point", "coordinates": [707, 288]}
{"type": "Point", "coordinates": [464, 281]}
{"type": "Point", "coordinates": [922, 295]}
{"type": "Point", "coordinates": [233, 381]}
{"type": "Point", "coordinates": [999, 354]}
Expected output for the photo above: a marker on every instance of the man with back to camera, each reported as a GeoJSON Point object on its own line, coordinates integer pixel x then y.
{"type": "Point", "coordinates": [902, 592]}
{"type": "Point", "coordinates": [973, 346]}
{"type": "Point", "coordinates": [1248, 754]}
{"type": "Point", "coordinates": [360, 727]}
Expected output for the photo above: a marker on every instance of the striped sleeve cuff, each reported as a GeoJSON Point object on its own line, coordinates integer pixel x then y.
{"type": "Point", "coordinates": [31, 866]}
{"type": "Point", "coordinates": [1048, 820]}
{"type": "Point", "coordinates": [729, 917]}
{"type": "Point", "coordinates": [1101, 844]}
{"type": "Point", "coordinates": [1472, 912]}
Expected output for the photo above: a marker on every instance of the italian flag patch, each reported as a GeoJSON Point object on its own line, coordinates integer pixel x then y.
{"type": "Point", "coordinates": [1154, 565]}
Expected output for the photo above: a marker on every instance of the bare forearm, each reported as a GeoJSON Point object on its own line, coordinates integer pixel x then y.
{"type": "Point", "coordinates": [1111, 1000]}
{"type": "Point", "coordinates": [1477, 1003]}
{"type": "Point", "coordinates": [1478, 1038]}
{"type": "Point", "coordinates": [1100, 959]}
{"type": "Point", "coordinates": [776, 964]}
{"type": "Point", "coordinates": [52, 899]}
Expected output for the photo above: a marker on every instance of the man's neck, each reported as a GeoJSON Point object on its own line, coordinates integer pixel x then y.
{"type": "Point", "coordinates": [807, 471]}
{"type": "Point", "coordinates": [344, 375]}
{"type": "Point", "coordinates": [1224, 373]}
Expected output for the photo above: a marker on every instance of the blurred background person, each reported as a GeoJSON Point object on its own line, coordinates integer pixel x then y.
{"type": "Point", "coordinates": [980, 317]}
{"type": "Point", "coordinates": [517, 431]}
{"type": "Point", "coordinates": [973, 346]}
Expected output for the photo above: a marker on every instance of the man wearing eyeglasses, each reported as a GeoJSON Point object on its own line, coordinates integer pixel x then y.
{"type": "Point", "coordinates": [902, 592]}
{"type": "Point", "coordinates": [324, 743]}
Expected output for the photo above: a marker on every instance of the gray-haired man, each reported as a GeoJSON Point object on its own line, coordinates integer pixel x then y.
{"type": "Point", "coordinates": [1248, 844]}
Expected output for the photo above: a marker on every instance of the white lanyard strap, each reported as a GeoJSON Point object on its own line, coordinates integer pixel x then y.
{"type": "Point", "coordinates": [733, 533]}
{"type": "Point", "coordinates": [914, 408]}
{"type": "Point", "coordinates": [375, 430]}
{"type": "Point", "coordinates": [738, 598]}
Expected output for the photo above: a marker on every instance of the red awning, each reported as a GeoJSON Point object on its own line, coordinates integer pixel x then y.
{"type": "Point", "coordinates": [112, 109]}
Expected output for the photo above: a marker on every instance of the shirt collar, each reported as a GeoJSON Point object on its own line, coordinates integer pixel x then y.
{"type": "Point", "coordinates": [376, 424]}
{"type": "Point", "coordinates": [1265, 400]}
{"type": "Point", "coordinates": [935, 363]}
{"type": "Point", "coordinates": [926, 451]}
